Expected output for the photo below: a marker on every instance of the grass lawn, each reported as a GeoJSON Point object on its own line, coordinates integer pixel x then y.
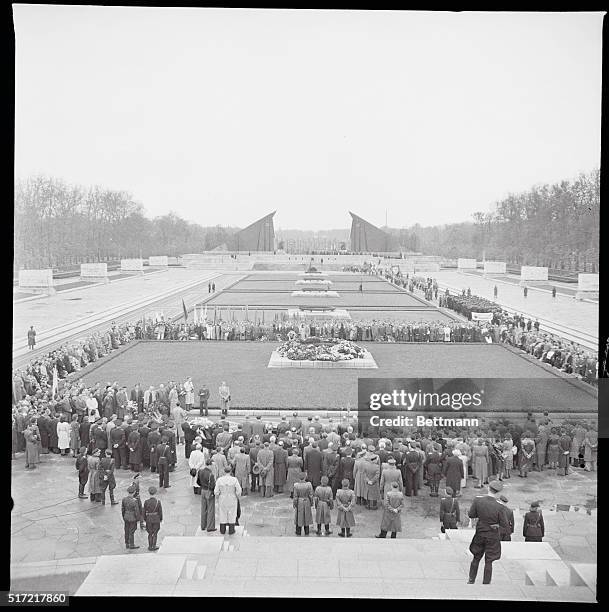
{"type": "Point", "coordinates": [243, 365]}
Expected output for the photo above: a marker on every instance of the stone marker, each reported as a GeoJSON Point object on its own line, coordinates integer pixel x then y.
{"type": "Point", "coordinates": [132, 265]}
{"type": "Point", "coordinates": [587, 286]}
{"type": "Point", "coordinates": [37, 281]}
{"type": "Point", "coordinates": [531, 276]}
{"type": "Point", "coordinates": [158, 260]}
{"type": "Point", "coordinates": [494, 268]}
{"type": "Point", "coordinates": [94, 271]}
{"type": "Point", "coordinates": [465, 265]}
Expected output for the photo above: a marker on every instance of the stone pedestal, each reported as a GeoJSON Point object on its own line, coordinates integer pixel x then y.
{"type": "Point", "coordinates": [587, 287]}
{"type": "Point", "coordinates": [37, 282]}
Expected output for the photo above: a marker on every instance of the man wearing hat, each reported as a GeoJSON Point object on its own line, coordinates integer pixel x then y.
{"type": "Point", "coordinates": [392, 510]}
{"type": "Point", "coordinates": [106, 477]}
{"type": "Point", "coordinates": [265, 461]}
{"type": "Point", "coordinates": [390, 475]}
{"type": "Point", "coordinates": [227, 490]}
{"type": "Point", "coordinates": [487, 539]}
{"type": "Point", "coordinates": [154, 439]}
{"type": "Point", "coordinates": [295, 422]}
{"type": "Point", "coordinates": [153, 515]}
{"type": "Point", "coordinates": [506, 536]}
{"type": "Point", "coordinates": [533, 528]}
{"type": "Point", "coordinates": [207, 483]}
{"type": "Point", "coordinates": [131, 515]}
{"type": "Point", "coordinates": [163, 457]}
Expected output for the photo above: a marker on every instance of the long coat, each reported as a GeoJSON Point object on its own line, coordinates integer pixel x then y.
{"type": "Point", "coordinates": [358, 476]}
{"type": "Point", "coordinates": [323, 505]}
{"type": "Point", "coordinates": [32, 446]}
{"type": "Point", "coordinates": [242, 469]}
{"type": "Point", "coordinates": [345, 502]}
{"type": "Point", "coordinates": [313, 466]}
{"type": "Point", "coordinates": [94, 484]}
{"type": "Point", "coordinates": [227, 492]}
{"type": "Point", "coordinates": [480, 463]}
{"type": "Point", "coordinates": [265, 460]}
{"type": "Point", "coordinates": [371, 477]}
{"type": "Point", "coordinates": [392, 511]}
{"type": "Point", "coordinates": [591, 446]}
{"type": "Point", "coordinates": [63, 435]}
{"type": "Point", "coordinates": [294, 469]}
{"type": "Point", "coordinates": [565, 451]}
{"type": "Point", "coordinates": [303, 500]}
{"type": "Point", "coordinates": [453, 471]}
{"type": "Point", "coordinates": [388, 476]}
{"type": "Point", "coordinates": [280, 466]}
{"type": "Point", "coordinates": [75, 435]}
{"type": "Point", "coordinates": [134, 445]}
{"type": "Point", "coordinates": [196, 461]}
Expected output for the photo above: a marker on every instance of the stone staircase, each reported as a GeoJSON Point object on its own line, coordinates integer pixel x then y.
{"type": "Point", "coordinates": [211, 565]}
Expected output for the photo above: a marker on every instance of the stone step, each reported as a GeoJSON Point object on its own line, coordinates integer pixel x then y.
{"type": "Point", "coordinates": [188, 570]}
{"type": "Point", "coordinates": [200, 572]}
{"type": "Point", "coordinates": [558, 576]}
{"type": "Point", "coordinates": [583, 574]}
{"type": "Point", "coordinates": [558, 593]}
{"type": "Point", "coordinates": [536, 578]}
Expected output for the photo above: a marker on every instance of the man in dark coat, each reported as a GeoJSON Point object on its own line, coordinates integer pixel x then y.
{"type": "Point", "coordinates": [119, 449]}
{"type": "Point", "coordinates": [487, 539]}
{"type": "Point", "coordinates": [506, 535]}
{"type": "Point", "coordinates": [207, 484]}
{"type": "Point", "coordinates": [411, 465]}
{"type": "Point", "coordinates": [100, 436]}
{"type": "Point", "coordinates": [203, 399]}
{"type": "Point", "coordinates": [83, 471]}
{"type": "Point", "coordinates": [153, 515]}
{"type": "Point", "coordinates": [137, 396]}
{"type": "Point", "coordinates": [453, 472]}
{"type": "Point", "coordinates": [131, 515]}
{"type": "Point", "coordinates": [258, 427]}
{"type": "Point", "coordinates": [345, 471]}
{"type": "Point", "coordinates": [295, 422]}
{"type": "Point", "coordinates": [134, 446]}
{"type": "Point", "coordinates": [105, 470]}
{"type": "Point", "coordinates": [154, 439]}
{"type": "Point", "coordinates": [144, 432]}
{"type": "Point", "coordinates": [43, 426]}
{"type": "Point", "coordinates": [53, 438]}
{"type": "Point", "coordinates": [189, 437]}
{"type": "Point", "coordinates": [108, 405]}
{"type": "Point", "coordinates": [313, 465]}
{"type": "Point", "coordinates": [163, 455]}
{"type": "Point", "coordinates": [329, 467]}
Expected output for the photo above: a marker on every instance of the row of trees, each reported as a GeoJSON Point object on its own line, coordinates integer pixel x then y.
{"type": "Point", "coordinates": [57, 224]}
{"type": "Point", "coordinates": [550, 225]}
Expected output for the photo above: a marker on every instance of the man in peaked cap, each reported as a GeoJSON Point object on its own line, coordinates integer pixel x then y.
{"type": "Point", "coordinates": [491, 522]}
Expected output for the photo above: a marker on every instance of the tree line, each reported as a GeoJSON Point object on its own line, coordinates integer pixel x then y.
{"type": "Point", "coordinates": [557, 226]}
{"type": "Point", "coordinates": [58, 224]}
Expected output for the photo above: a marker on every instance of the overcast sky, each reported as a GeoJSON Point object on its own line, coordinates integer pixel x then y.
{"type": "Point", "coordinates": [224, 115]}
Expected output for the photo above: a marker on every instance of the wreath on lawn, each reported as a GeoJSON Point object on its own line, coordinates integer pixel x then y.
{"type": "Point", "coordinates": [318, 349]}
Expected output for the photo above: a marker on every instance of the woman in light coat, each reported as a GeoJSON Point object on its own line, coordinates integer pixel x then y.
{"type": "Point", "coordinates": [196, 461]}
{"type": "Point", "coordinates": [480, 463]}
{"type": "Point", "coordinates": [94, 483]}
{"type": "Point", "coordinates": [63, 436]}
{"type": "Point", "coordinates": [75, 435]}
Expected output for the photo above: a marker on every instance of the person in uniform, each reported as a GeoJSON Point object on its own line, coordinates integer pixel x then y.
{"type": "Point", "coordinates": [565, 450]}
{"type": "Point", "coordinates": [189, 395]}
{"type": "Point", "coordinates": [506, 535]}
{"type": "Point", "coordinates": [207, 483]}
{"type": "Point", "coordinates": [371, 475]}
{"type": "Point", "coordinates": [487, 539]}
{"type": "Point", "coordinates": [280, 467]}
{"type": "Point", "coordinates": [32, 445]}
{"type": "Point", "coordinates": [131, 515]}
{"type": "Point", "coordinates": [153, 515]}
{"type": "Point", "coordinates": [265, 460]}
{"type": "Point", "coordinates": [527, 452]}
{"type": "Point", "coordinates": [225, 398]}
{"type": "Point", "coordinates": [392, 509]}
{"type": "Point", "coordinates": [31, 338]}
{"type": "Point", "coordinates": [303, 501]}
{"type": "Point", "coordinates": [227, 490]}
{"type": "Point", "coordinates": [323, 501]}
{"type": "Point", "coordinates": [345, 502]}
{"type": "Point", "coordinates": [83, 471]}
{"type": "Point", "coordinates": [242, 468]}
{"type": "Point", "coordinates": [533, 528]}
{"type": "Point", "coordinates": [203, 399]}
{"type": "Point", "coordinates": [135, 451]}
{"type": "Point", "coordinates": [154, 439]}
{"type": "Point", "coordinates": [454, 472]}
{"type": "Point", "coordinates": [450, 513]}
{"type": "Point", "coordinates": [345, 470]}
{"type": "Point", "coordinates": [106, 477]}
{"type": "Point", "coordinates": [118, 445]}
{"type": "Point", "coordinates": [389, 475]}
{"type": "Point", "coordinates": [94, 484]}
{"type": "Point", "coordinates": [163, 457]}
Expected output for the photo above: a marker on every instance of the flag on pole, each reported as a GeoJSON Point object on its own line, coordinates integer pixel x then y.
{"type": "Point", "coordinates": [55, 386]}
{"type": "Point", "coordinates": [185, 311]}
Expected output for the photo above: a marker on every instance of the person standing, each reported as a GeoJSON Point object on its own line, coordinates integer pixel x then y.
{"type": "Point", "coordinates": [196, 461]}
{"type": "Point", "coordinates": [207, 483]}
{"type": "Point", "coordinates": [32, 445]}
{"type": "Point", "coordinates": [265, 460]}
{"type": "Point", "coordinates": [495, 291]}
{"type": "Point", "coordinates": [189, 395]}
{"type": "Point", "coordinates": [565, 450]}
{"type": "Point", "coordinates": [345, 502]}
{"type": "Point", "coordinates": [31, 338]}
{"type": "Point", "coordinates": [590, 450]}
{"type": "Point", "coordinates": [526, 291]}
{"type": "Point", "coordinates": [506, 535]}
{"type": "Point", "coordinates": [303, 501]}
{"type": "Point", "coordinates": [295, 467]}
{"type": "Point", "coordinates": [553, 292]}
{"type": "Point", "coordinates": [480, 462]}
{"type": "Point", "coordinates": [74, 435]}
{"type": "Point", "coordinates": [63, 436]}
{"type": "Point", "coordinates": [135, 451]}
{"type": "Point", "coordinates": [486, 541]}
{"type": "Point", "coordinates": [83, 471]}
{"type": "Point", "coordinates": [203, 399]}
{"type": "Point", "coordinates": [453, 472]}
{"type": "Point", "coordinates": [323, 505]}
{"type": "Point", "coordinates": [533, 528]}
{"type": "Point", "coordinates": [392, 511]}
{"type": "Point", "coordinates": [227, 490]}
{"type": "Point", "coordinates": [163, 458]}
{"type": "Point", "coordinates": [94, 484]}
{"type": "Point", "coordinates": [242, 468]}
{"type": "Point", "coordinates": [450, 513]}
{"type": "Point", "coordinates": [106, 477]}
{"type": "Point", "coordinates": [527, 452]}
{"type": "Point", "coordinates": [225, 398]}
{"type": "Point", "coordinates": [313, 463]}
{"type": "Point", "coordinates": [131, 515]}
{"type": "Point", "coordinates": [153, 515]}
